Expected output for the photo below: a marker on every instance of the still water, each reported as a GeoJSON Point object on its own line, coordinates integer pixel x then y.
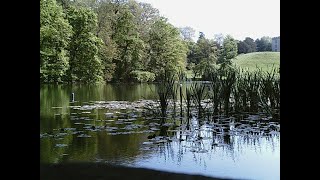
{"type": "Point", "coordinates": [82, 131]}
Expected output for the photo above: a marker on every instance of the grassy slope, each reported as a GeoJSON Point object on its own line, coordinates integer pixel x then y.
{"type": "Point", "coordinates": [264, 60]}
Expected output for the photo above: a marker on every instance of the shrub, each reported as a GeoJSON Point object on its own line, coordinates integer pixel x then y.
{"type": "Point", "coordinates": [142, 76]}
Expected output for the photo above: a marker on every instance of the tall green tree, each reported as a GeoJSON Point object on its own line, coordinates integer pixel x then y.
{"type": "Point", "coordinates": [107, 15]}
{"type": "Point", "coordinates": [242, 47]}
{"type": "Point", "coordinates": [229, 50]}
{"type": "Point", "coordinates": [264, 44]}
{"type": "Point", "coordinates": [247, 46]}
{"type": "Point", "coordinates": [129, 46]}
{"type": "Point", "coordinates": [252, 47]}
{"type": "Point", "coordinates": [55, 34]}
{"type": "Point", "coordinates": [205, 55]}
{"type": "Point", "coordinates": [85, 64]}
{"type": "Point", "coordinates": [167, 49]}
{"type": "Point", "coordinates": [144, 17]}
{"type": "Point", "coordinates": [205, 50]}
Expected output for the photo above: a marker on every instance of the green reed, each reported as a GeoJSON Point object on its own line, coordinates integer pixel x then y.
{"type": "Point", "coordinates": [164, 91]}
{"type": "Point", "coordinates": [198, 94]}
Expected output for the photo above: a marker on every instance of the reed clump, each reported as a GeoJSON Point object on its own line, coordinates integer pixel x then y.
{"type": "Point", "coordinates": [229, 91]}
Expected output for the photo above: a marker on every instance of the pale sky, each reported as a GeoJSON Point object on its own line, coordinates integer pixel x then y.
{"type": "Point", "coordinates": [239, 18]}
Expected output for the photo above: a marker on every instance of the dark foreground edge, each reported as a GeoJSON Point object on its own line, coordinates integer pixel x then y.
{"type": "Point", "coordinates": [99, 171]}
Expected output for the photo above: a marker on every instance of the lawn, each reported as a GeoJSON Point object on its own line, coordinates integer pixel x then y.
{"type": "Point", "coordinates": [264, 60]}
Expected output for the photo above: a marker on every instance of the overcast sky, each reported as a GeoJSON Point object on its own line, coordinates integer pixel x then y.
{"type": "Point", "coordinates": [239, 18]}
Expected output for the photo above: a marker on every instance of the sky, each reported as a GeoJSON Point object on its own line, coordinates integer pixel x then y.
{"type": "Point", "coordinates": [238, 18]}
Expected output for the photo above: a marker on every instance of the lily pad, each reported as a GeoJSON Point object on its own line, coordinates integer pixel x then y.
{"type": "Point", "coordinates": [84, 136]}
{"type": "Point", "coordinates": [86, 112]}
{"type": "Point", "coordinates": [147, 143]}
{"type": "Point", "coordinates": [61, 145]}
{"type": "Point", "coordinates": [78, 123]}
{"type": "Point", "coordinates": [77, 132]}
{"type": "Point", "coordinates": [109, 114]}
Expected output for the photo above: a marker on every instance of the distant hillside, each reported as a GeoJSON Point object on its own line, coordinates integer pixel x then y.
{"type": "Point", "coordinates": [263, 60]}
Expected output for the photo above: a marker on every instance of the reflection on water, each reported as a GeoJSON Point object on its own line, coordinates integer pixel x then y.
{"type": "Point", "coordinates": [224, 148]}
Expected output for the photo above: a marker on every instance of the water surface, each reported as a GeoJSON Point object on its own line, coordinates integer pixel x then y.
{"type": "Point", "coordinates": [74, 131]}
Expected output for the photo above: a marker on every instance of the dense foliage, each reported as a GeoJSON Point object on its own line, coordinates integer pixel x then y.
{"type": "Point", "coordinates": [90, 41]}
{"type": "Point", "coordinates": [55, 33]}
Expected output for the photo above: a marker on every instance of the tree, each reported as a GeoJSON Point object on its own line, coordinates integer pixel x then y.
{"type": "Point", "coordinates": [144, 17]}
{"type": "Point", "coordinates": [243, 47]}
{"type": "Point", "coordinates": [192, 48]}
{"type": "Point", "coordinates": [129, 46]}
{"type": "Point", "coordinates": [205, 55]}
{"type": "Point", "coordinates": [264, 44]}
{"type": "Point", "coordinates": [247, 46]}
{"type": "Point", "coordinates": [229, 50]}
{"type": "Point", "coordinates": [116, 17]}
{"type": "Point", "coordinates": [187, 33]}
{"type": "Point", "coordinates": [105, 29]}
{"type": "Point", "coordinates": [167, 49]}
{"type": "Point", "coordinates": [204, 49]}
{"type": "Point", "coordinates": [252, 47]}
{"type": "Point", "coordinates": [85, 64]}
{"type": "Point", "coordinates": [55, 33]}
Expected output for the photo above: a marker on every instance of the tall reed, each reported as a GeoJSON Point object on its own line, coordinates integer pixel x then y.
{"type": "Point", "coordinates": [227, 80]}
{"type": "Point", "coordinates": [270, 92]}
{"type": "Point", "coordinates": [198, 94]}
{"type": "Point", "coordinates": [214, 90]}
{"type": "Point", "coordinates": [164, 91]}
{"type": "Point", "coordinates": [254, 80]}
{"type": "Point", "coordinates": [188, 103]}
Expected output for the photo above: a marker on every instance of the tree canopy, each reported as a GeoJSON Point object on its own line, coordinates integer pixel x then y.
{"type": "Point", "coordinates": [247, 46]}
{"type": "Point", "coordinates": [167, 50]}
{"type": "Point", "coordinates": [229, 50]}
{"type": "Point", "coordinates": [55, 33]}
{"type": "Point", "coordinates": [90, 41]}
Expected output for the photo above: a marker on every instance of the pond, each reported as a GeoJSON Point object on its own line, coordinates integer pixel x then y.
{"type": "Point", "coordinates": [115, 123]}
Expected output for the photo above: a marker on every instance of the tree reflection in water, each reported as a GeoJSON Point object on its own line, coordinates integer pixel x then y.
{"type": "Point", "coordinates": [70, 133]}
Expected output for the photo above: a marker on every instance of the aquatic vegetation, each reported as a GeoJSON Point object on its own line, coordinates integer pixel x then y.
{"type": "Point", "coordinates": [165, 91]}
{"type": "Point", "coordinates": [227, 81]}
{"type": "Point", "coordinates": [214, 90]}
{"type": "Point", "coordinates": [198, 93]}
{"type": "Point", "coordinates": [188, 103]}
{"type": "Point", "coordinates": [137, 130]}
{"type": "Point", "coordinates": [269, 93]}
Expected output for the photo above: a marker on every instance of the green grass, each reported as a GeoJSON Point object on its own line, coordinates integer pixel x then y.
{"type": "Point", "coordinates": [264, 60]}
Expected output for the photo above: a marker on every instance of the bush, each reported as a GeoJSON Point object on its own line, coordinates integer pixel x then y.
{"type": "Point", "coordinates": [142, 76]}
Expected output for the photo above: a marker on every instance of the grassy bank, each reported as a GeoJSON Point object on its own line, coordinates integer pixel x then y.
{"type": "Point", "coordinates": [263, 60]}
